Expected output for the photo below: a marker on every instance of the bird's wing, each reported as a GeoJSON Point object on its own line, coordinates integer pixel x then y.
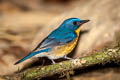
{"type": "Point", "coordinates": [55, 39]}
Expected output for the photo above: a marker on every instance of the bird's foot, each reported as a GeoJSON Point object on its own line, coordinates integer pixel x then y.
{"type": "Point", "coordinates": [53, 61]}
{"type": "Point", "coordinates": [67, 57]}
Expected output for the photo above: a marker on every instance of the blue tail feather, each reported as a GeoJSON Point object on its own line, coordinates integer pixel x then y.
{"type": "Point", "coordinates": [32, 54]}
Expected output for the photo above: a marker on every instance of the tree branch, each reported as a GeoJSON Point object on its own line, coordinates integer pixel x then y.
{"type": "Point", "coordinates": [98, 57]}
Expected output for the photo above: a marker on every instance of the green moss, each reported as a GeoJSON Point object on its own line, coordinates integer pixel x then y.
{"type": "Point", "coordinates": [99, 57]}
{"type": "Point", "coordinates": [57, 66]}
{"type": "Point", "coordinates": [32, 73]}
{"type": "Point", "coordinates": [49, 68]}
{"type": "Point", "coordinates": [89, 59]}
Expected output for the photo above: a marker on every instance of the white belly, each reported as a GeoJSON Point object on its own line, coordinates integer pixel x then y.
{"type": "Point", "coordinates": [47, 55]}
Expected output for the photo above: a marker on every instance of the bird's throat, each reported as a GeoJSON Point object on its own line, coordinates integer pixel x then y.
{"type": "Point", "coordinates": [77, 31]}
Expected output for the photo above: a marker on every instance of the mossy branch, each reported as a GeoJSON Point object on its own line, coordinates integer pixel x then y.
{"type": "Point", "coordinates": [97, 58]}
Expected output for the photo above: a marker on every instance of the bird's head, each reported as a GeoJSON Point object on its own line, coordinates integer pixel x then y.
{"type": "Point", "coordinates": [73, 23]}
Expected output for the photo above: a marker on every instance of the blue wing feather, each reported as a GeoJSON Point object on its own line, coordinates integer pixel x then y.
{"type": "Point", "coordinates": [32, 54]}
{"type": "Point", "coordinates": [57, 38]}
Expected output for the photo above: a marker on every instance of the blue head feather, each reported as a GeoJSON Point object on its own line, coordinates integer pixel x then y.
{"type": "Point", "coordinates": [71, 23]}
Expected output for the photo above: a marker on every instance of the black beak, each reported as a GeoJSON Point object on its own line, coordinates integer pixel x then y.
{"type": "Point", "coordinates": [84, 21]}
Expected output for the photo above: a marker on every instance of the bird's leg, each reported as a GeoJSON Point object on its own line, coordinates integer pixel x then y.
{"type": "Point", "coordinates": [67, 57]}
{"type": "Point", "coordinates": [53, 61]}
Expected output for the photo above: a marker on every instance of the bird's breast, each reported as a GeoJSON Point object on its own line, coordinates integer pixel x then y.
{"type": "Point", "coordinates": [64, 49]}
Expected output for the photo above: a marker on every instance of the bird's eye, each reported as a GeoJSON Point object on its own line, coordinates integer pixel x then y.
{"type": "Point", "coordinates": [75, 23]}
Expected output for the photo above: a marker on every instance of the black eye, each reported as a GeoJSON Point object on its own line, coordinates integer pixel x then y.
{"type": "Point", "coordinates": [75, 23]}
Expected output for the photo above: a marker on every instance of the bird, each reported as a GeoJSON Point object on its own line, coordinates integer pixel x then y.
{"type": "Point", "coordinates": [60, 42]}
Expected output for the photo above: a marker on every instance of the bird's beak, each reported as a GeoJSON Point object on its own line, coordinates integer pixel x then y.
{"type": "Point", "coordinates": [84, 21]}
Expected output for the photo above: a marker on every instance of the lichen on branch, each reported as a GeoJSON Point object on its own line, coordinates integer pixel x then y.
{"type": "Point", "coordinates": [45, 71]}
{"type": "Point", "coordinates": [99, 57]}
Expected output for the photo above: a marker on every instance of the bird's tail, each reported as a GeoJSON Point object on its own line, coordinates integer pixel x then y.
{"type": "Point", "coordinates": [30, 55]}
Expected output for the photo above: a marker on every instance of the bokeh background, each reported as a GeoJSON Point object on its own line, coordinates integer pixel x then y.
{"type": "Point", "coordinates": [25, 23]}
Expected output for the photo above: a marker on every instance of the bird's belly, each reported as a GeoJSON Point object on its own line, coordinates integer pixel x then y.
{"type": "Point", "coordinates": [43, 54]}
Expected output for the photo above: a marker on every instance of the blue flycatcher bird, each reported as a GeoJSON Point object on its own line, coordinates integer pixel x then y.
{"type": "Point", "coordinates": [58, 43]}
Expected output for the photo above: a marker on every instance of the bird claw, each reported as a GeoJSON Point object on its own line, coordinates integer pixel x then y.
{"type": "Point", "coordinates": [67, 57]}
{"type": "Point", "coordinates": [53, 61]}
